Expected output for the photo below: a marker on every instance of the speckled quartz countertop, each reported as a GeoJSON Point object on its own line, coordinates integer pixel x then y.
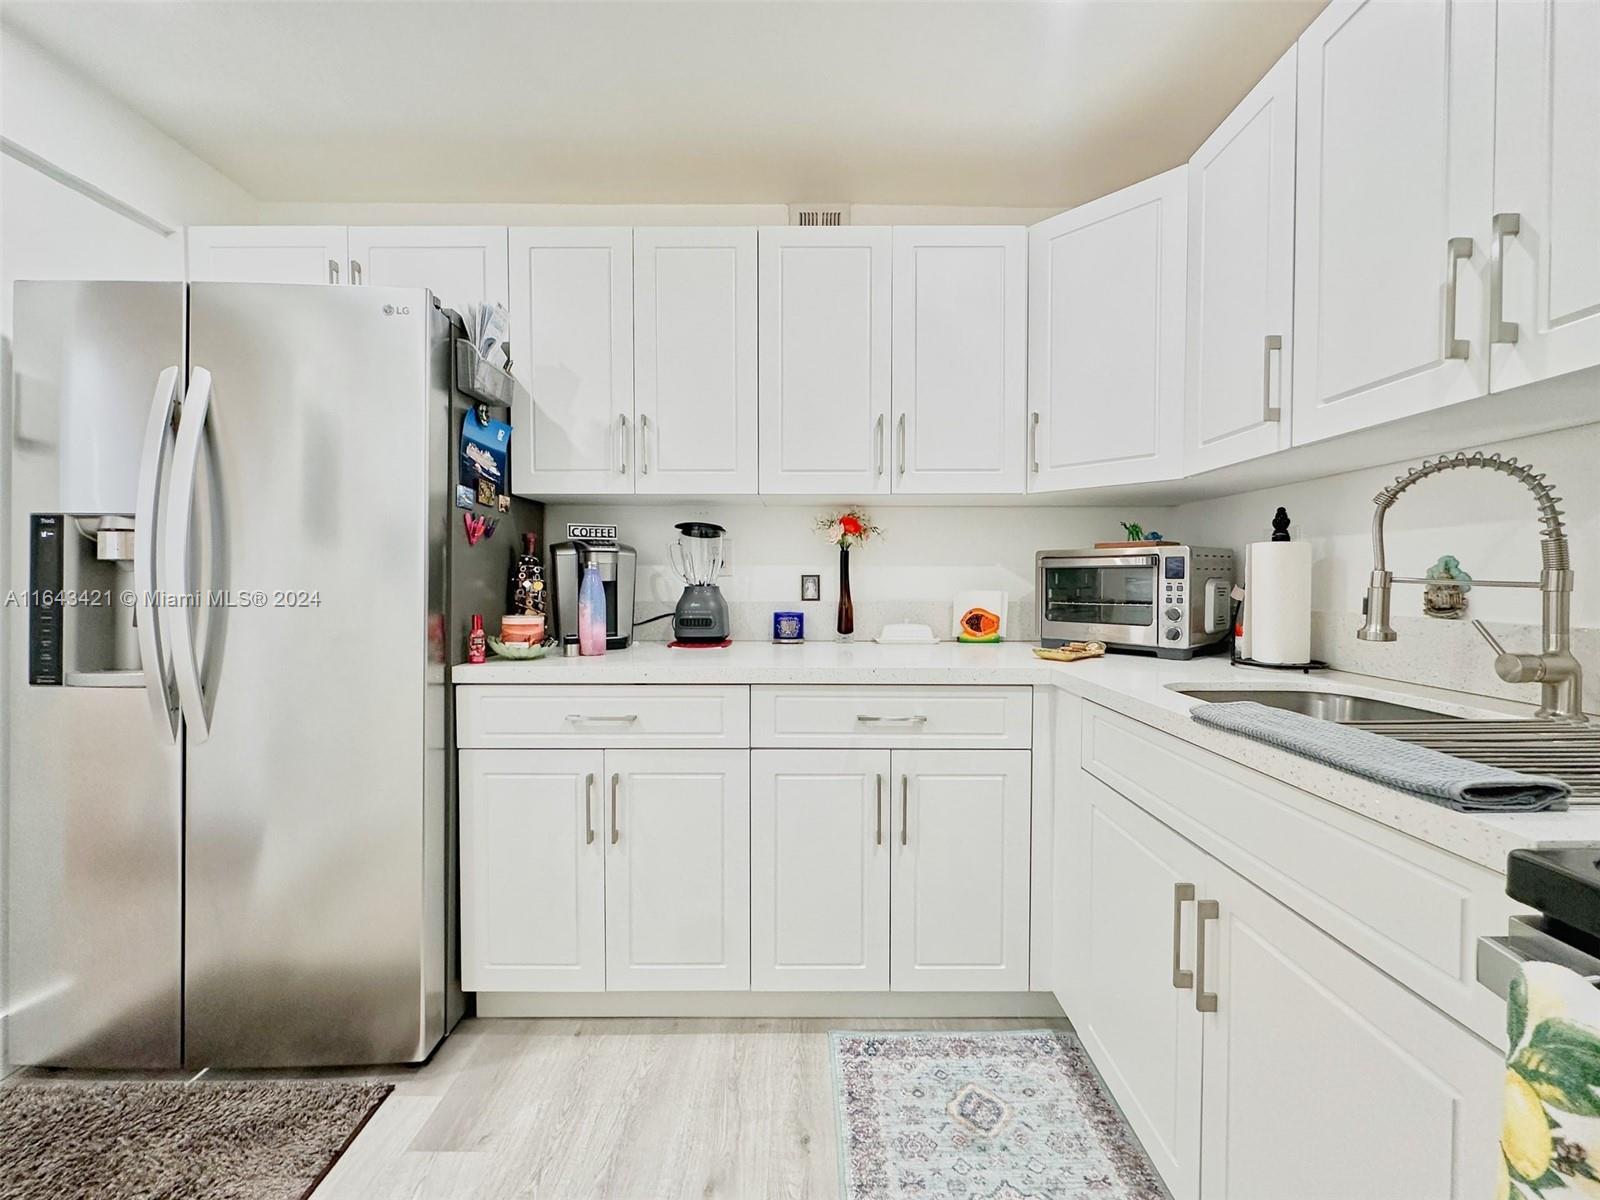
{"type": "Point", "coordinates": [1138, 687]}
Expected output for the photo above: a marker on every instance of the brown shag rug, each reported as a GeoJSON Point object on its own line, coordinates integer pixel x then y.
{"type": "Point", "coordinates": [177, 1141]}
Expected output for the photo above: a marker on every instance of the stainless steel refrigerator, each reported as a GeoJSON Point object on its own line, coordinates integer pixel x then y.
{"type": "Point", "coordinates": [242, 579]}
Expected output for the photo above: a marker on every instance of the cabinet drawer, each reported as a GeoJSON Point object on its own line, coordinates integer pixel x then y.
{"type": "Point", "coordinates": [946, 717]}
{"type": "Point", "coordinates": [496, 717]}
{"type": "Point", "coordinates": [1410, 908]}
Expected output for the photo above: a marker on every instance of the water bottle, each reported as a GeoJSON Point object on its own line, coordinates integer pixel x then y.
{"type": "Point", "coordinates": [591, 612]}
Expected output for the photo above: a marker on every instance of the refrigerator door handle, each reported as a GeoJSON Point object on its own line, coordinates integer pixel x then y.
{"type": "Point", "coordinates": [158, 683]}
{"type": "Point", "coordinates": [175, 553]}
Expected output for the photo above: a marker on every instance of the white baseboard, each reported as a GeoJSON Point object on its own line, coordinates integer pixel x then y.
{"type": "Point", "coordinates": [767, 1004]}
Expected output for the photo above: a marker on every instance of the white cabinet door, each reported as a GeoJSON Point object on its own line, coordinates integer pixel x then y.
{"type": "Point", "coordinates": [572, 348]}
{"type": "Point", "coordinates": [1126, 894]}
{"type": "Point", "coordinates": [824, 360]}
{"type": "Point", "coordinates": [678, 870]}
{"type": "Point", "coordinates": [268, 253]}
{"type": "Point", "coordinates": [461, 265]}
{"type": "Point", "coordinates": [1547, 183]}
{"type": "Point", "coordinates": [960, 341]}
{"type": "Point", "coordinates": [694, 345]}
{"type": "Point", "coordinates": [819, 870]}
{"type": "Point", "coordinates": [1241, 280]}
{"type": "Point", "coordinates": [532, 871]}
{"type": "Point", "coordinates": [1394, 153]}
{"type": "Point", "coordinates": [959, 906]}
{"type": "Point", "coordinates": [1325, 1079]}
{"type": "Point", "coordinates": [1105, 339]}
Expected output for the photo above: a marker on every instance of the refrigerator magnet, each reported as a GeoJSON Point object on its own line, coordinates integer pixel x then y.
{"type": "Point", "coordinates": [464, 496]}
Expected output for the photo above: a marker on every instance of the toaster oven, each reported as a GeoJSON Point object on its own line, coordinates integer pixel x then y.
{"type": "Point", "coordinates": [1171, 601]}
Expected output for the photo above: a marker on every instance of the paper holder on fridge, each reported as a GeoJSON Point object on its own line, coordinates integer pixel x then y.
{"type": "Point", "coordinates": [482, 380]}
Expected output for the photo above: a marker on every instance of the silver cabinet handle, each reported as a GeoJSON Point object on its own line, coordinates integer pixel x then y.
{"type": "Point", "coordinates": [1269, 410]}
{"type": "Point", "coordinates": [1454, 347]}
{"type": "Point", "coordinates": [616, 829]}
{"type": "Point", "coordinates": [868, 719]}
{"type": "Point", "coordinates": [902, 440]}
{"type": "Point", "coordinates": [355, 271]}
{"type": "Point", "coordinates": [1207, 910]}
{"type": "Point", "coordinates": [623, 719]}
{"type": "Point", "coordinates": [877, 441]}
{"type": "Point", "coordinates": [1033, 443]}
{"type": "Point", "coordinates": [905, 809]}
{"type": "Point", "coordinates": [644, 445]}
{"type": "Point", "coordinates": [588, 810]}
{"type": "Point", "coordinates": [1181, 893]}
{"type": "Point", "coordinates": [333, 271]}
{"type": "Point", "coordinates": [622, 438]}
{"type": "Point", "coordinates": [880, 810]}
{"type": "Point", "coordinates": [1501, 330]}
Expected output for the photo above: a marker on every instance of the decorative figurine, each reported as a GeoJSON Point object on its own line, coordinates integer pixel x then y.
{"type": "Point", "coordinates": [1446, 599]}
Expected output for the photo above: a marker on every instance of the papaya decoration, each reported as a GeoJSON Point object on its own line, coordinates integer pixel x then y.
{"type": "Point", "coordinates": [979, 625]}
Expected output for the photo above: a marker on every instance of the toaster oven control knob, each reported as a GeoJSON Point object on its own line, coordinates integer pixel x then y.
{"type": "Point", "coordinates": [1174, 634]}
{"type": "Point", "coordinates": [1173, 614]}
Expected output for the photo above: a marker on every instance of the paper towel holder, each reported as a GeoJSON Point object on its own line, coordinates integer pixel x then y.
{"type": "Point", "coordinates": [1280, 533]}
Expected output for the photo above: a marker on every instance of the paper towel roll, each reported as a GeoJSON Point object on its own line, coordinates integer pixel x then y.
{"type": "Point", "coordinates": [1280, 601]}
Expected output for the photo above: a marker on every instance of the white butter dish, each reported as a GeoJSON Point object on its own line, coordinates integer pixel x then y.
{"type": "Point", "coordinates": [907, 635]}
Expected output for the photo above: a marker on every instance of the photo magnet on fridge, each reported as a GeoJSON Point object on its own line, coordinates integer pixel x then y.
{"type": "Point", "coordinates": [465, 497]}
{"type": "Point", "coordinates": [484, 447]}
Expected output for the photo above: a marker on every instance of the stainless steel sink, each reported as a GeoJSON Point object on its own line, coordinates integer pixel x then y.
{"type": "Point", "coordinates": [1339, 707]}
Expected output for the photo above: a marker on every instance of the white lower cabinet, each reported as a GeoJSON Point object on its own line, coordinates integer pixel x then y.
{"type": "Point", "coordinates": [677, 870]}
{"type": "Point", "coordinates": [605, 870]}
{"type": "Point", "coordinates": [533, 872]}
{"type": "Point", "coordinates": [1255, 1056]}
{"type": "Point", "coordinates": [960, 870]}
{"type": "Point", "coordinates": [819, 879]}
{"type": "Point", "coordinates": [1125, 923]}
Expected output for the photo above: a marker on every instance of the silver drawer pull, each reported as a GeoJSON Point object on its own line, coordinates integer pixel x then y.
{"type": "Point", "coordinates": [1206, 910]}
{"type": "Point", "coordinates": [868, 719]}
{"type": "Point", "coordinates": [588, 810]}
{"type": "Point", "coordinates": [1181, 978]}
{"type": "Point", "coordinates": [1454, 347]}
{"type": "Point", "coordinates": [581, 719]}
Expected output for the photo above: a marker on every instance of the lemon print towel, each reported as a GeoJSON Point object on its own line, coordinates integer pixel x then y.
{"type": "Point", "coordinates": [1550, 1138]}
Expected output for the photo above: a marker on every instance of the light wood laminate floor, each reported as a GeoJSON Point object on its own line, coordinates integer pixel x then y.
{"type": "Point", "coordinates": [614, 1109]}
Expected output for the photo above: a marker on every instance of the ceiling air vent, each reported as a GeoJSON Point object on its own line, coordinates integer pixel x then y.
{"type": "Point", "coordinates": [819, 214]}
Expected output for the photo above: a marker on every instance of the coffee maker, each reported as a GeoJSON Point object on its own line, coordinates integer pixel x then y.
{"type": "Point", "coordinates": [617, 565]}
{"type": "Point", "coordinates": [701, 617]}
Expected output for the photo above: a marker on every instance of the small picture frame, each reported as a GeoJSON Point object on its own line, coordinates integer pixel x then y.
{"type": "Point", "coordinates": [811, 587]}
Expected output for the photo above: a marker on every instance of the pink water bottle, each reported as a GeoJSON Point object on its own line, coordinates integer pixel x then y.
{"type": "Point", "coordinates": [591, 612]}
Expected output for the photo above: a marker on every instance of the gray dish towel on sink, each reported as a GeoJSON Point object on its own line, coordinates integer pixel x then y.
{"type": "Point", "coordinates": [1441, 778]}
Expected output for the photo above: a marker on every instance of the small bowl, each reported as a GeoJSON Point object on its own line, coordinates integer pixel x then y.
{"type": "Point", "coordinates": [517, 650]}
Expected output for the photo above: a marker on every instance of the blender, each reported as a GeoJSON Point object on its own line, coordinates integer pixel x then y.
{"type": "Point", "coordinates": [701, 618]}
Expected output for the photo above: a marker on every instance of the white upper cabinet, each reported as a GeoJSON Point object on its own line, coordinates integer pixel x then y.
{"type": "Point", "coordinates": [1546, 192]}
{"type": "Point", "coordinates": [1105, 339]}
{"type": "Point", "coordinates": [1241, 280]}
{"type": "Point", "coordinates": [694, 346]}
{"type": "Point", "coordinates": [1393, 198]}
{"type": "Point", "coordinates": [572, 349]}
{"type": "Point", "coordinates": [268, 253]}
{"type": "Point", "coordinates": [532, 871]}
{"type": "Point", "coordinates": [960, 871]}
{"type": "Point", "coordinates": [819, 870]}
{"type": "Point", "coordinates": [460, 265]}
{"type": "Point", "coordinates": [678, 870]}
{"type": "Point", "coordinates": [824, 360]}
{"type": "Point", "coordinates": [960, 339]}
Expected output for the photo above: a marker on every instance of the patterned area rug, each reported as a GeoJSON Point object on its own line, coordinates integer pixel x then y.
{"type": "Point", "coordinates": [176, 1141]}
{"type": "Point", "coordinates": [1013, 1115]}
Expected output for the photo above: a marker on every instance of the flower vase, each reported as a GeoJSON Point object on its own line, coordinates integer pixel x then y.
{"type": "Point", "coordinates": [846, 625]}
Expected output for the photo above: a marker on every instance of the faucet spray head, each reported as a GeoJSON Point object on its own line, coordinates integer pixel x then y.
{"type": "Point", "coordinates": [1377, 628]}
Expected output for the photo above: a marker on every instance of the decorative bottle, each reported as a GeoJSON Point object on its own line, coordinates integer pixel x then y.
{"type": "Point", "coordinates": [591, 612]}
{"type": "Point", "coordinates": [477, 641]}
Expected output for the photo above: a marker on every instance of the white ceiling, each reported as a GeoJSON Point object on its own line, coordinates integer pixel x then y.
{"type": "Point", "coordinates": [677, 101]}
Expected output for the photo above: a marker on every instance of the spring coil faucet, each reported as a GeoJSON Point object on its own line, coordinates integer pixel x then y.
{"type": "Point", "coordinates": [1558, 674]}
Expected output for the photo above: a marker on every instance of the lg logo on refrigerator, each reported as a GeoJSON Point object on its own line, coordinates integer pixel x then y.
{"type": "Point", "coordinates": [397, 310]}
